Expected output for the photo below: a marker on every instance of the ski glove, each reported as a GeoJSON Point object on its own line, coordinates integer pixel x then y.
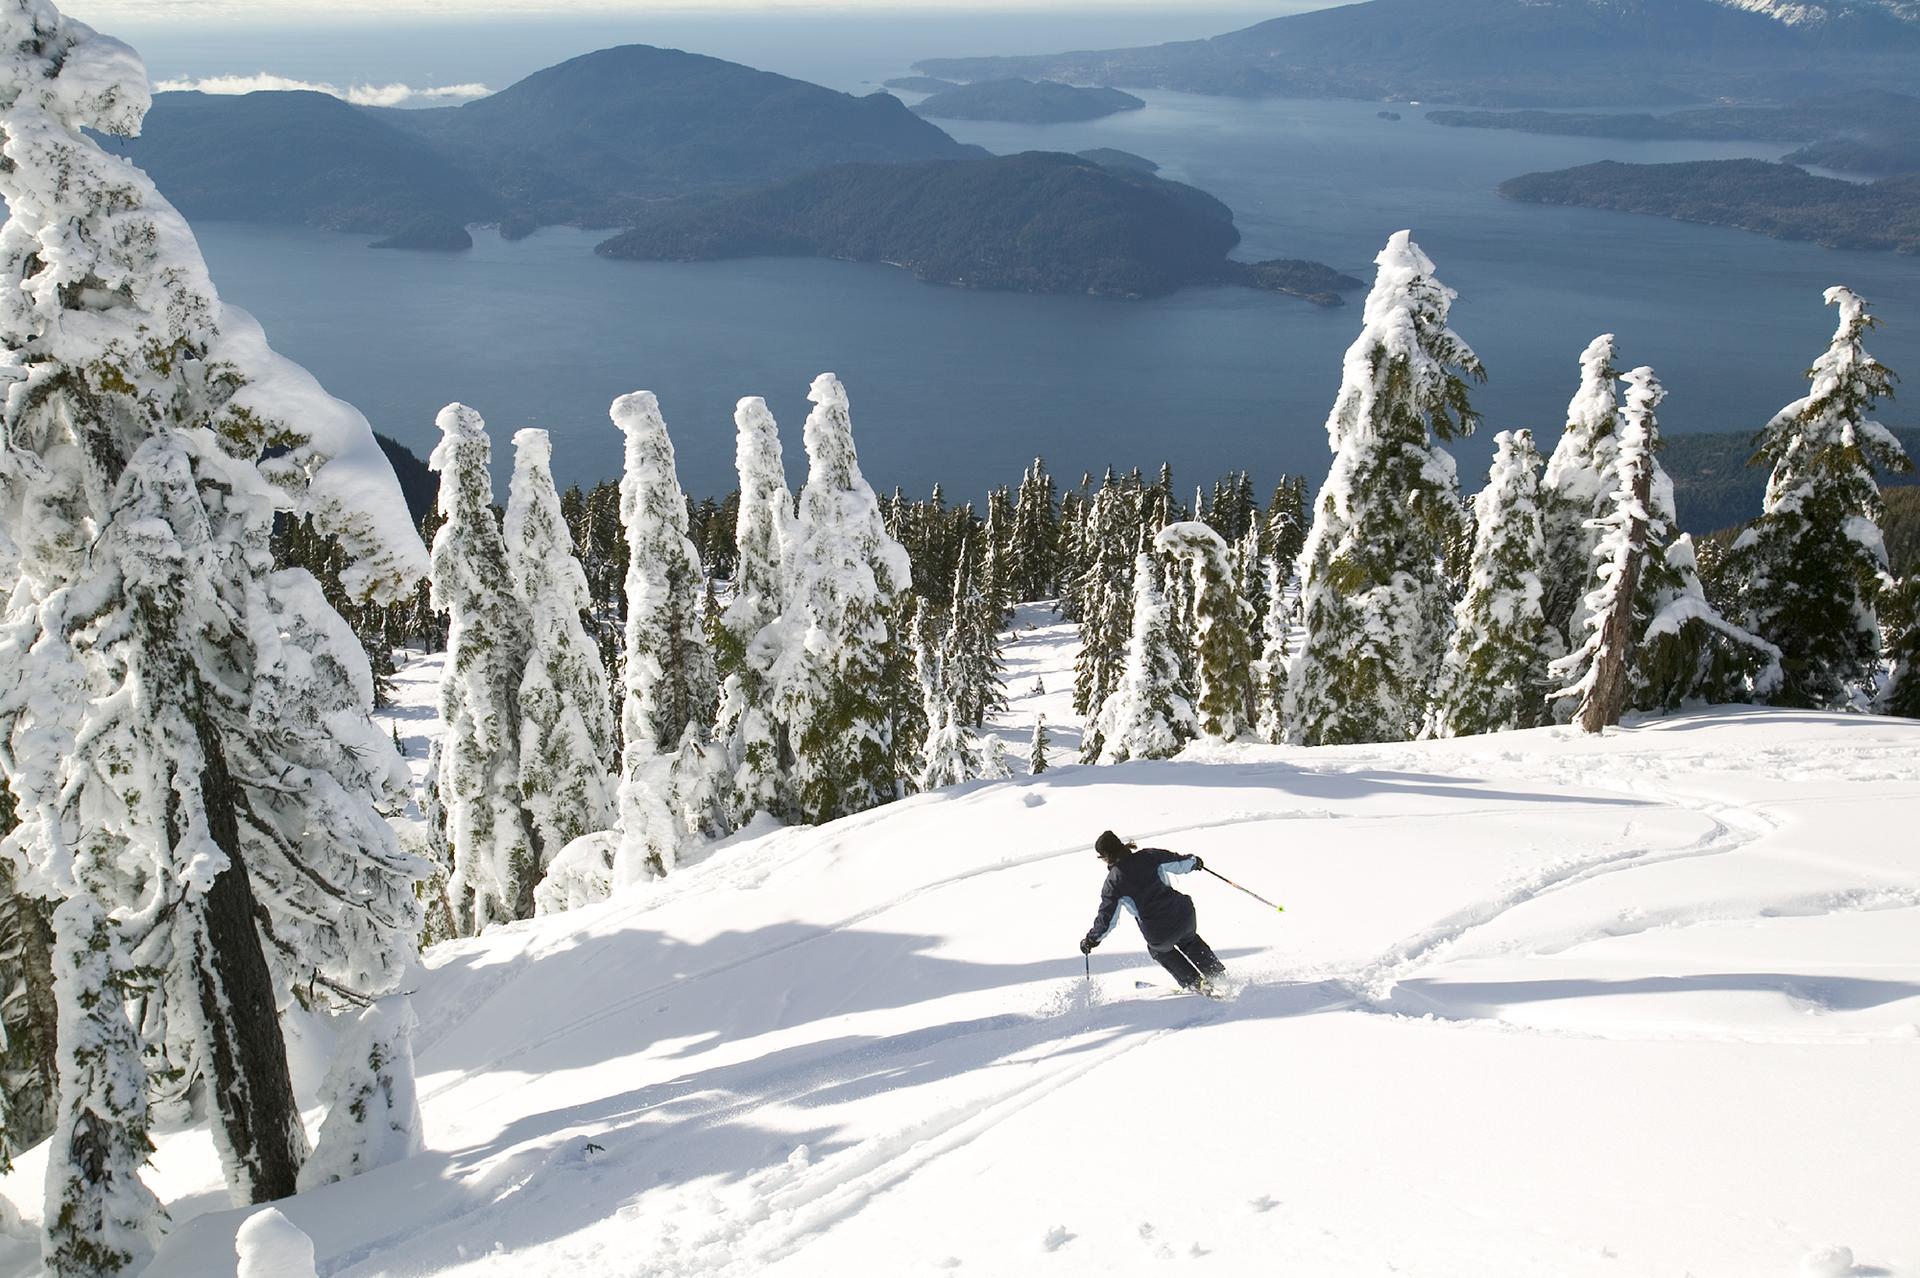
{"type": "Point", "coordinates": [1198, 865]}
{"type": "Point", "coordinates": [1086, 944]}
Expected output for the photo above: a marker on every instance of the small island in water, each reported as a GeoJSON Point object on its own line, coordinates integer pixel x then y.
{"type": "Point", "coordinates": [1026, 102]}
{"type": "Point", "coordinates": [432, 232]}
{"type": "Point", "coordinates": [1753, 195]}
{"type": "Point", "coordinates": [1037, 222]}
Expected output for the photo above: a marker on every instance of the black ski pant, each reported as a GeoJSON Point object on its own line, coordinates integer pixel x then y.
{"type": "Point", "coordinates": [1188, 959]}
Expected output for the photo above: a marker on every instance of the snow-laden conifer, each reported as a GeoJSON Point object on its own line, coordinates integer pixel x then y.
{"type": "Point", "coordinates": [1495, 676]}
{"type": "Point", "coordinates": [1811, 568]}
{"type": "Point", "coordinates": [373, 1108]}
{"type": "Point", "coordinates": [1145, 717]}
{"type": "Point", "coordinates": [1034, 544]}
{"type": "Point", "coordinates": [1270, 676]}
{"type": "Point", "coordinates": [1104, 590]}
{"type": "Point", "coordinates": [845, 576]}
{"type": "Point", "coordinates": [490, 830]}
{"type": "Point", "coordinates": [749, 639]}
{"type": "Point", "coordinates": [1037, 760]}
{"type": "Point", "coordinates": [1223, 631]}
{"type": "Point", "coordinates": [971, 652]}
{"type": "Point", "coordinates": [668, 676]}
{"type": "Point", "coordinates": [566, 728]}
{"type": "Point", "coordinates": [1577, 492]}
{"type": "Point", "coordinates": [1652, 640]}
{"type": "Point", "coordinates": [1374, 593]}
{"type": "Point", "coordinates": [149, 647]}
{"type": "Point", "coordinates": [101, 1218]}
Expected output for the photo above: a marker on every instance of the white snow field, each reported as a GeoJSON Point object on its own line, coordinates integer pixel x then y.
{"type": "Point", "coordinates": [1538, 1005]}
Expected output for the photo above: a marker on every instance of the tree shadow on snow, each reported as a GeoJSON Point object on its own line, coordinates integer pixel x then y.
{"type": "Point", "coordinates": [535, 1180]}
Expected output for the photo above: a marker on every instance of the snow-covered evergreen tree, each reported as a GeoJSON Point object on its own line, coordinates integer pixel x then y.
{"type": "Point", "coordinates": [101, 1218]}
{"type": "Point", "coordinates": [1812, 567]}
{"type": "Point", "coordinates": [1145, 717]}
{"type": "Point", "coordinates": [749, 638]}
{"type": "Point", "coordinates": [668, 676]}
{"type": "Point", "coordinates": [566, 729]}
{"type": "Point", "coordinates": [1270, 676]}
{"type": "Point", "coordinates": [149, 647]}
{"type": "Point", "coordinates": [1223, 631]}
{"type": "Point", "coordinates": [1037, 761]}
{"type": "Point", "coordinates": [1035, 539]}
{"type": "Point", "coordinates": [1652, 640]}
{"type": "Point", "coordinates": [373, 1108]}
{"type": "Point", "coordinates": [1104, 591]}
{"type": "Point", "coordinates": [971, 652]}
{"type": "Point", "coordinates": [1577, 491]}
{"type": "Point", "coordinates": [1374, 592]}
{"type": "Point", "coordinates": [1495, 676]}
{"type": "Point", "coordinates": [491, 833]}
{"type": "Point", "coordinates": [845, 576]}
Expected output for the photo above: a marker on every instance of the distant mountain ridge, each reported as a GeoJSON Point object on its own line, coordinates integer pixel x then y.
{"type": "Point", "coordinates": [595, 140]}
{"type": "Point", "coordinates": [1515, 53]}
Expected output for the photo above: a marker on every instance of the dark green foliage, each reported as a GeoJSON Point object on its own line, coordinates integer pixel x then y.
{"type": "Point", "coordinates": [1033, 222]}
{"type": "Point", "coordinates": [1901, 526]}
{"type": "Point", "coordinates": [1716, 489]}
{"type": "Point", "coordinates": [1753, 195]}
{"type": "Point", "coordinates": [1900, 614]}
{"type": "Point", "coordinates": [1026, 102]}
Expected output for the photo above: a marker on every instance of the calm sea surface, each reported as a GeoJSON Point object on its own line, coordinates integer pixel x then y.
{"type": "Point", "coordinates": [963, 388]}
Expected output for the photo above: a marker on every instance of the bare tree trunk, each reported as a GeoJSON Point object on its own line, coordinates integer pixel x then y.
{"type": "Point", "coordinates": [1606, 700]}
{"type": "Point", "coordinates": [263, 1141]}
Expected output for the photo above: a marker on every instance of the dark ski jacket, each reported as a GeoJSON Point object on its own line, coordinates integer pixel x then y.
{"type": "Point", "coordinates": [1138, 881]}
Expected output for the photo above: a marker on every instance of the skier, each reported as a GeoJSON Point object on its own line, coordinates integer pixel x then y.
{"type": "Point", "coordinates": [1137, 878]}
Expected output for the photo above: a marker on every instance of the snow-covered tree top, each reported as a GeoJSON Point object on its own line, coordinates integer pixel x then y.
{"type": "Point", "coordinates": [757, 452]}
{"type": "Point", "coordinates": [1404, 326]}
{"type": "Point", "coordinates": [67, 69]}
{"type": "Point", "coordinates": [459, 426]}
{"type": "Point", "coordinates": [1190, 535]}
{"type": "Point", "coordinates": [532, 447]}
{"type": "Point", "coordinates": [102, 271]}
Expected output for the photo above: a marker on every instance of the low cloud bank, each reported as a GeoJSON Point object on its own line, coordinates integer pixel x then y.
{"type": "Point", "coordinates": [383, 95]}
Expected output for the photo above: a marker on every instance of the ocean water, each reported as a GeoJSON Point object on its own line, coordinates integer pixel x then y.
{"type": "Point", "coordinates": [963, 388]}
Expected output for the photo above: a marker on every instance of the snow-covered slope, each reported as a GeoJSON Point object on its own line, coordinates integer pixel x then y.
{"type": "Point", "coordinates": [1796, 13]}
{"type": "Point", "coordinates": [1538, 1005]}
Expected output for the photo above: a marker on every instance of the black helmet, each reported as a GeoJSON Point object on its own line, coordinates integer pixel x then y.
{"type": "Point", "coordinates": [1109, 846]}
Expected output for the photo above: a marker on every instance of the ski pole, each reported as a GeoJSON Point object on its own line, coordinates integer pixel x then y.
{"type": "Point", "coordinates": [1281, 909]}
{"type": "Point", "coordinates": [1088, 960]}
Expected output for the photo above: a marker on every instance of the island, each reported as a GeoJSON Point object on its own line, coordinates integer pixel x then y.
{"type": "Point", "coordinates": [1753, 195]}
{"type": "Point", "coordinates": [1027, 102]}
{"type": "Point", "coordinates": [1388, 115]}
{"type": "Point", "coordinates": [1037, 222]}
{"type": "Point", "coordinates": [1864, 131]}
{"type": "Point", "coordinates": [432, 232]}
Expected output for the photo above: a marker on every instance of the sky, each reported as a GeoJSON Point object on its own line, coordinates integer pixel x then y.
{"type": "Point", "coordinates": [99, 12]}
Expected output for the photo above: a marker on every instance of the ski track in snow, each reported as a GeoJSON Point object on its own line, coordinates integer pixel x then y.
{"type": "Point", "coordinates": [1002, 1064]}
